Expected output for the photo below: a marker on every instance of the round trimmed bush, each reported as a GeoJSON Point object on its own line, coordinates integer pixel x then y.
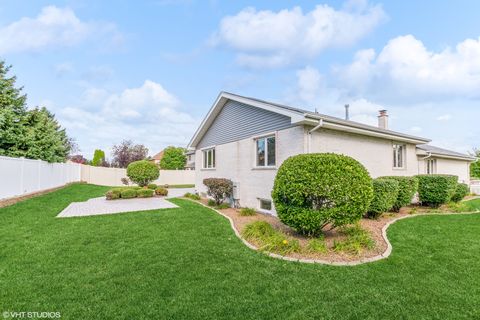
{"type": "Point", "coordinates": [161, 191]}
{"type": "Point", "coordinates": [128, 193]}
{"type": "Point", "coordinates": [436, 189]}
{"type": "Point", "coordinates": [142, 172]}
{"type": "Point", "coordinates": [407, 187]}
{"type": "Point", "coordinates": [144, 193]}
{"type": "Point", "coordinates": [313, 190]}
{"type": "Point", "coordinates": [385, 193]}
{"type": "Point", "coordinates": [461, 192]}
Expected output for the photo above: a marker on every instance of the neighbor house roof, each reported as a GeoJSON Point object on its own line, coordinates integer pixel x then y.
{"type": "Point", "coordinates": [300, 116]}
{"type": "Point", "coordinates": [158, 156]}
{"type": "Point", "coordinates": [427, 150]}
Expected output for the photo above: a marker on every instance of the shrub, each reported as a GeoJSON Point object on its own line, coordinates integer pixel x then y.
{"type": "Point", "coordinates": [113, 194]}
{"type": "Point", "coordinates": [161, 191]}
{"type": "Point", "coordinates": [218, 188]}
{"type": "Point", "coordinates": [461, 191]}
{"type": "Point", "coordinates": [144, 193]}
{"type": "Point", "coordinates": [436, 189]}
{"type": "Point", "coordinates": [357, 240]}
{"type": "Point", "coordinates": [316, 245]}
{"type": "Point", "coordinates": [222, 206]}
{"type": "Point", "coordinates": [128, 193]}
{"type": "Point", "coordinates": [385, 193]}
{"type": "Point", "coordinates": [125, 181]}
{"type": "Point", "coordinates": [247, 212]}
{"type": "Point", "coordinates": [152, 186]}
{"type": "Point", "coordinates": [211, 203]}
{"type": "Point", "coordinates": [269, 239]}
{"type": "Point", "coordinates": [407, 187]}
{"type": "Point", "coordinates": [142, 172]}
{"type": "Point", "coordinates": [313, 190]}
{"type": "Point", "coordinates": [192, 196]}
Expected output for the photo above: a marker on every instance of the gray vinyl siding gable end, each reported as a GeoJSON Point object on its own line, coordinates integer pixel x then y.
{"type": "Point", "coordinates": [237, 121]}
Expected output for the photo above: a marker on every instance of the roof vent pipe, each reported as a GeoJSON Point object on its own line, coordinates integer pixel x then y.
{"type": "Point", "coordinates": [347, 114]}
{"type": "Point", "coordinates": [383, 119]}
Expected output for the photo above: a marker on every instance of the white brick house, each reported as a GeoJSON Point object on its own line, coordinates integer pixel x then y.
{"type": "Point", "coordinates": [246, 140]}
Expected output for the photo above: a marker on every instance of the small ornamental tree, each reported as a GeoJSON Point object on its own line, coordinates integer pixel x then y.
{"type": "Point", "coordinates": [173, 159]}
{"type": "Point", "coordinates": [142, 172]}
{"type": "Point", "coordinates": [218, 188]}
{"type": "Point", "coordinates": [385, 193]}
{"type": "Point", "coordinates": [315, 190]}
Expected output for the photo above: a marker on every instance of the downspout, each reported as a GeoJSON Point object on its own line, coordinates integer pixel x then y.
{"type": "Point", "coordinates": [429, 154]}
{"type": "Point", "coordinates": [309, 139]}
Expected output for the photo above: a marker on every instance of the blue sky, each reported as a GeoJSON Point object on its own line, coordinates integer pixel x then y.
{"type": "Point", "coordinates": [150, 70]}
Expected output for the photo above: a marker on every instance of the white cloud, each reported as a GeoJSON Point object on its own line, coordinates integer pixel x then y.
{"type": "Point", "coordinates": [416, 129]}
{"type": "Point", "coordinates": [148, 114]}
{"type": "Point", "coordinates": [444, 117]}
{"type": "Point", "coordinates": [62, 69]}
{"type": "Point", "coordinates": [270, 39]}
{"type": "Point", "coordinates": [53, 27]}
{"type": "Point", "coordinates": [406, 69]}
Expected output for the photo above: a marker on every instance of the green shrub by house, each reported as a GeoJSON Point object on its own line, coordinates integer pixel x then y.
{"type": "Point", "coordinates": [313, 190]}
{"type": "Point", "coordinates": [113, 194]}
{"type": "Point", "coordinates": [436, 189]}
{"type": "Point", "coordinates": [407, 187]}
{"type": "Point", "coordinates": [218, 188]}
{"type": "Point", "coordinates": [145, 193]}
{"type": "Point", "coordinates": [385, 193]}
{"type": "Point", "coordinates": [461, 191]}
{"type": "Point", "coordinates": [142, 172]}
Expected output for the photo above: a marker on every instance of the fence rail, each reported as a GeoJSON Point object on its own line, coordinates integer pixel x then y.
{"type": "Point", "coordinates": [20, 176]}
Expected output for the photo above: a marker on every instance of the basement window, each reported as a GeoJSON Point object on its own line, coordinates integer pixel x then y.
{"type": "Point", "coordinates": [265, 205]}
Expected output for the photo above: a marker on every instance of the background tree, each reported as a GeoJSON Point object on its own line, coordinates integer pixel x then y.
{"type": "Point", "coordinates": [174, 158]}
{"type": "Point", "coordinates": [78, 158]}
{"type": "Point", "coordinates": [475, 166]}
{"type": "Point", "coordinates": [98, 158]}
{"type": "Point", "coordinates": [126, 152]}
{"type": "Point", "coordinates": [12, 115]}
{"type": "Point", "coordinates": [34, 134]}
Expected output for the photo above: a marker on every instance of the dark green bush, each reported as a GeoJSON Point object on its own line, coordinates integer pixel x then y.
{"type": "Point", "coordinates": [436, 189]}
{"type": "Point", "coordinates": [161, 191]}
{"type": "Point", "coordinates": [192, 196]}
{"type": "Point", "coordinates": [152, 186]}
{"type": "Point", "coordinates": [142, 172]}
{"type": "Point", "coordinates": [461, 191]}
{"type": "Point", "coordinates": [144, 193]}
{"type": "Point", "coordinates": [218, 188]}
{"type": "Point", "coordinates": [128, 193]}
{"type": "Point", "coordinates": [385, 194]}
{"type": "Point", "coordinates": [313, 190]}
{"type": "Point", "coordinates": [407, 187]}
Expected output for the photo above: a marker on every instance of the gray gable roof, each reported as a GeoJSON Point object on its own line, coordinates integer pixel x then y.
{"type": "Point", "coordinates": [444, 152]}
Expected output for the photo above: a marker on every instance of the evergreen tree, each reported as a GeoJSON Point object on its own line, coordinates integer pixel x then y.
{"type": "Point", "coordinates": [12, 115]}
{"type": "Point", "coordinates": [98, 158]}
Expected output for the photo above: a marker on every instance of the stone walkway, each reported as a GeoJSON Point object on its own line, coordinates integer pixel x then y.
{"type": "Point", "coordinates": [98, 206]}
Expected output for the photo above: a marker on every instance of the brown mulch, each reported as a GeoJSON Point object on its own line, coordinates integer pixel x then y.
{"type": "Point", "coordinates": [374, 227]}
{"type": "Point", "coordinates": [10, 201]}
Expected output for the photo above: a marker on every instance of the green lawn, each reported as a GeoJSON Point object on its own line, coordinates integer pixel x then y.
{"type": "Point", "coordinates": [186, 263]}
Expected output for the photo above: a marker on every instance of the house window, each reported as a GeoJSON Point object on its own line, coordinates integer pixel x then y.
{"type": "Point", "coordinates": [209, 158]}
{"type": "Point", "coordinates": [398, 156]}
{"type": "Point", "coordinates": [265, 204]}
{"type": "Point", "coordinates": [431, 165]}
{"type": "Point", "coordinates": [265, 152]}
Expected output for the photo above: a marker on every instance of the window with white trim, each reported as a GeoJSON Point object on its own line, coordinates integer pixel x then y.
{"type": "Point", "coordinates": [431, 166]}
{"type": "Point", "coordinates": [265, 151]}
{"type": "Point", "coordinates": [209, 158]}
{"type": "Point", "coordinates": [398, 156]}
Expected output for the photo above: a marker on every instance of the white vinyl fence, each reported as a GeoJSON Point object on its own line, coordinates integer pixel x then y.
{"type": "Point", "coordinates": [113, 176]}
{"type": "Point", "coordinates": [19, 176]}
{"type": "Point", "coordinates": [475, 187]}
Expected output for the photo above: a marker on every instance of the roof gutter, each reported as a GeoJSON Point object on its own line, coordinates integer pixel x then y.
{"type": "Point", "coordinates": [309, 134]}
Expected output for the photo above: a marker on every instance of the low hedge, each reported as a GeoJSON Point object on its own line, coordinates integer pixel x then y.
{"type": "Point", "coordinates": [436, 189]}
{"type": "Point", "coordinates": [461, 191]}
{"type": "Point", "coordinates": [152, 186]}
{"type": "Point", "coordinates": [145, 193]}
{"type": "Point", "coordinates": [161, 191]}
{"type": "Point", "coordinates": [385, 194]}
{"type": "Point", "coordinates": [128, 194]}
{"type": "Point", "coordinates": [407, 187]}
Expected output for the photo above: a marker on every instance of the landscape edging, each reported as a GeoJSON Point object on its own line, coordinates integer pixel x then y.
{"type": "Point", "coordinates": [382, 256]}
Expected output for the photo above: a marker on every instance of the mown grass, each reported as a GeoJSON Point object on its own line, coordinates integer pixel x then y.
{"type": "Point", "coordinates": [186, 263]}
